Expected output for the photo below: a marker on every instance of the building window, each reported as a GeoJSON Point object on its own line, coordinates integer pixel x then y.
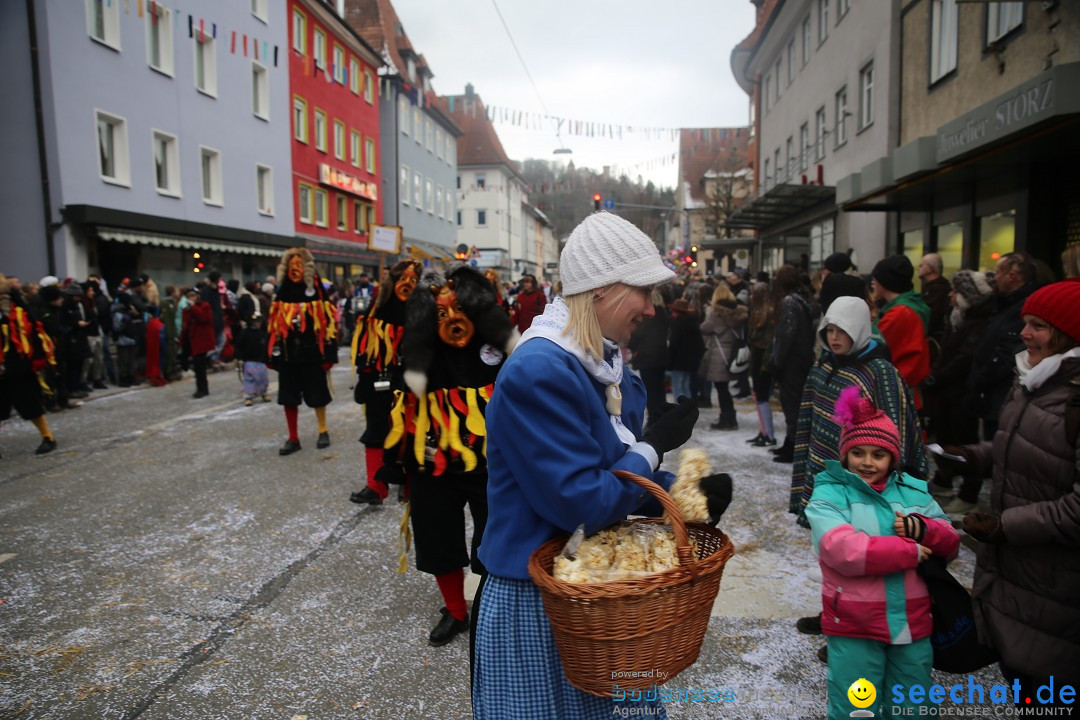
{"type": "Point", "coordinates": [159, 35]}
{"type": "Point", "coordinates": [264, 189]}
{"type": "Point", "coordinates": [307, 214]}
{"type": "Point", "coordinates": [417, 127]}
{"type": "Point", "coordinates": [404, 184]}
{"type": "Point", "coordinates": [841, 116]}
{"type": "Point", "coordinates": [320, 130]}
{"type": "Point", "coordinates": [318, 49]}
{"type": "Point", "coordinates": [166, 163]}
{"type": "Point", "coordinates": [458, 182]}
{"type": "Point", "coordinates": [806, 40]}
{"type": "Point", "coordinates": [776, 164]}
{"type": "Point", "coordinates": [768, 178]}
{"type": "Point", "coordinates": [481, 181]}
{"type": "Point", "coordinates": [438, 143]}
{"type": "Point", "coordinates": [369, 155]}
{"type": "Point", "coordinates": [205, 64]}
{"type": "Point", "coordinates": [369, 87]}
{"type": "Point", "coordinates": [300, 120]}
{"type": "Point", "coordinates": [429, 133]}
{"type": "Point", "coordinates": [777, 75]}
{"type": "Point", "coordinates": [459, 218]}
{"type": "Point", "coordinates": [789, 155]}
{"type": "Point", "coordinates": [842, 8]}
{"type": "Point", "coordinates": [450, 206]}
{"type": "Point", "coordinates": [403, 115]}
{"type": "Point", "coordinates": [339, 140]}
{"type": "Point", "coordinates": [103, 21]}
{"type": "Point", "coordinates": [451, 149]}
{"type": "Point", "coordinates": [338, 70]}
{"type": "Point", "coordinates": [943, 34]}
{"type": "Point", "coordinates": [481, 218]}
{"type": "Point", "coordinates": [354, 76]}
{"type": "Point", "coordinates": [819, 132]}
{"type": "Point", "coordinates": [112, 148]}
{"type": "Point", "coordinates": [342, 213]}
{"type": "Point", "coordinates": [322, 208]}
{"type": "Point", "coordinates": [804, 146]}
{"type": "Point", "coordinates": [1002, 18]}
{"type": "Point", "coordinates": [866, 95]}
{"type": "Point", "coordinates": [212, 187]}
{"type": "Point", "coordinates": [260, 91]}
{"type": "Point", "coordinates": [439, 201]}
{"type": "Point", "coordinates": [299, 32]}
{"type": "Point", "coordinates": [359, 217]}
{"type": "Point", "coordinates": [791, 60]}
{"type": "Point", "coordinates": [418, 188]}
{"type": "Point", "coordinates": [429, 197]}
{"type": "Point", "coordinates": [823, 21]}
{"type": "Point", "coordinates": [768, 92]}
{"type": "Point", "coordinates": [354, 148]}
{"type": "Point", "coordinates": [258, 9]}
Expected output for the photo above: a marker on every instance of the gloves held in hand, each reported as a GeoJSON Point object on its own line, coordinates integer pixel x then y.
{"type": "Point", "coordinates": [672, 428]}
{"type": "Point", "coordinates": [717, 491]}
{"type": "Point", "coordinates": [391, 474]}
{"type": "Point", "coordinates": [984, 527]}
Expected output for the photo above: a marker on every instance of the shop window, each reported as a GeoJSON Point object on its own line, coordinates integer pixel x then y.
{"type": "Point", "coordinates": [997, 237]}
{"type": "Point", "coordinates": [913, 247]}
{"type": "Point", "coordinates": [950, 246]}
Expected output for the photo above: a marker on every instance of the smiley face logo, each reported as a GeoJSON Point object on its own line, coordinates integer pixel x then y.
{"type": "Point", "coordinates": [862, 693]}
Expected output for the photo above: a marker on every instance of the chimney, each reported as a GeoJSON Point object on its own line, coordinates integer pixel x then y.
{"type": "Point", "coordinates": [468, 92]}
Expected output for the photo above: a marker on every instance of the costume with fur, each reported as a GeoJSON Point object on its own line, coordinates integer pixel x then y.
{"type": "Point", "coordinates": [25, 350]}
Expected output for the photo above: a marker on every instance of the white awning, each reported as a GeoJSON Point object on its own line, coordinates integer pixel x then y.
{"type": "Point", "coordinates": [187, 243]}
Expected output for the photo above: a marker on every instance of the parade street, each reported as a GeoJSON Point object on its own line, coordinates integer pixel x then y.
{"type": "Point", "coordinates": [166, 563]}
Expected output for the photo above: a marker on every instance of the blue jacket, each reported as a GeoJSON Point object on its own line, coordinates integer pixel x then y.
{"type": "Point", "coordinates": [551, 452]}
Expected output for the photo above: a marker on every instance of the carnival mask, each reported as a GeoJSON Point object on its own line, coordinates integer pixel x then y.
{"type": "Point", "coordinates": [455, 328]}
{"type": "Point", "coordinates": [296, 269]}
{"type": "Point", "coordinates": [406, 283]}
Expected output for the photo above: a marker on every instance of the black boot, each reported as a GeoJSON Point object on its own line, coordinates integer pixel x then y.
{"type": "Point", "coordinates": [289, 447]}
{"type": "Point", "coordinates": [447, 628]}
{"type": "Point", "coordinates": [367, 496]}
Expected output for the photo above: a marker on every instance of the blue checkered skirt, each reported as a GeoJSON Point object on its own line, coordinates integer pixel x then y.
{"type": "Point", "coordinates": [518, 673]}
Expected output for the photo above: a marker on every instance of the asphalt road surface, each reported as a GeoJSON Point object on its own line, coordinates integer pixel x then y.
{"type": "Point", "coordinates": [166, 564]}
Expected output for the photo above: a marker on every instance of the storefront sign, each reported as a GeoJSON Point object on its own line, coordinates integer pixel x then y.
{"type": "Point", "coordinates": [344, 181]}
{"type": "Point", "coordinates": [385, 238]}
{"type": "Point", "coordinates": [1053, 93]}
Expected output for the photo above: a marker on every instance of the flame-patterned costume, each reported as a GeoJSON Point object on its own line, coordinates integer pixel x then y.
{"type": "Point", "coordinates": [456, 339]}
{"type": "Point", "coordinates": [302, 328]}
{"type": "Point", "coordinates": [376, 354]}
{"type": "Point", "coordinates": [25, 351]}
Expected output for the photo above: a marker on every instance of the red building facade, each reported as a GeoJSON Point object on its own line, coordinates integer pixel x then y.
{"type": "Point", "coordinates": [334, 100]}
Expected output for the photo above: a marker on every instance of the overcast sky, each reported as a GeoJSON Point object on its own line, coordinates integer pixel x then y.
{"type": "Point", "coordinates": [629, 62]}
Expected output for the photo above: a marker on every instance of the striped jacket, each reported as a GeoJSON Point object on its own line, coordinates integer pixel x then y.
{"type": "Point", "coordinates": [870, 588]}
{"type": "Point", "coordinates": [817, 435]}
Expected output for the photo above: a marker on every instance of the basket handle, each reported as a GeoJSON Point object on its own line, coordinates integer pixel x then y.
{"type": "Point", "coordinates": [678, 525]}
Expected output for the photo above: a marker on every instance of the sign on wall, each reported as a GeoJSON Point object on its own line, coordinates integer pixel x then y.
{"type": "Point", "coordinates": [385, 238]}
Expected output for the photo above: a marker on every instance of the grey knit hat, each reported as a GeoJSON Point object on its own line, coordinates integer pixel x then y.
{"type": "Point", "coordinates": [972, 287]}
{"type": "Point", "coordinates": [605, 249]}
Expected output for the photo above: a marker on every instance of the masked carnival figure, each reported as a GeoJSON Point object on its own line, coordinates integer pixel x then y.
{"type": "Point", "coordinates": [302, 346]}
{"type": "Point", "coordinates": [25, 352]}
{"type": "Point", "coordinates": [456, 339]}
{"type": "Point", "coordinates": [376, 353]}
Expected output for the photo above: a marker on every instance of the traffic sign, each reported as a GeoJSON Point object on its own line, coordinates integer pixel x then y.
{"type": "Point", "coordinates": [609, 204]}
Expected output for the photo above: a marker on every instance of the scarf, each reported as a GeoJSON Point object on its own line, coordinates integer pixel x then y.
{"type": "Point", "coordinates": [1034, 377]}
{"type": "Point", "coordinates": [607, 371]}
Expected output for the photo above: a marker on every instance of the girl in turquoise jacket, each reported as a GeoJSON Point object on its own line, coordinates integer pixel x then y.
{"type": "Point", "coordinates": [872, 526]}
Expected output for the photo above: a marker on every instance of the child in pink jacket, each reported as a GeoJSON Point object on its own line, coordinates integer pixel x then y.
{"type": "Point", "coordinates": [872, 526]}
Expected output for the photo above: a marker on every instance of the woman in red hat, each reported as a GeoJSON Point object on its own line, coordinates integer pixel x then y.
{"type": "Point", "coordinates": [1027, 576]}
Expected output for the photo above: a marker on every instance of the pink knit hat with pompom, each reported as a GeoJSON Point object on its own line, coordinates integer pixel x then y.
{"type": "Point", "coordinates": [861, 423]}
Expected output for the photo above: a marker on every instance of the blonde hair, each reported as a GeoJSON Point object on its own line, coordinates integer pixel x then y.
{"type": "Point", "coordinates": [583, 325]}
{"type": "Point", "coordinates": [723, 293]}
{"type": "Point", "coordinates": [1070, 261]}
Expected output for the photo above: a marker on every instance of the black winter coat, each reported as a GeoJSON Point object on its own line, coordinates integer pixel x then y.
{"type": "Point", "coordinates": [994, 359]}
{"type": "Point", "coordinates": [686, 346]}
{"type": "Point", "coordinates": [649, 343]}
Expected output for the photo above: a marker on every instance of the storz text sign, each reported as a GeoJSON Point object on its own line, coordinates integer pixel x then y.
{"type": "Point", "coordinates": [1053, 93]}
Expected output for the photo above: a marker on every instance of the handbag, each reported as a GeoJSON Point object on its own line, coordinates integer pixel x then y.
{"type": "Point", "coordinates": [740, 359]}
{"type": "Point", "coordinates": [955, 640]}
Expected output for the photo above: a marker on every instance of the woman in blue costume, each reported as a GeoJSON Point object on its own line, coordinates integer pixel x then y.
{"type": "Point", "coordinates": [564, 416]}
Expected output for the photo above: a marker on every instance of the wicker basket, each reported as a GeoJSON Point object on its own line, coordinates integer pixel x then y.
{"type": "Point", "coordinates": [640, 632]}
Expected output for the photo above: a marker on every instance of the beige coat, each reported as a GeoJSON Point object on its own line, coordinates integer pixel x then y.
{"type": "Point", "coordinates": [722, 327]}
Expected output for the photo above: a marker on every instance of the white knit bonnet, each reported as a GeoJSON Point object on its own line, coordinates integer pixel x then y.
{"type": "Point", "coordinates": [605, 249]}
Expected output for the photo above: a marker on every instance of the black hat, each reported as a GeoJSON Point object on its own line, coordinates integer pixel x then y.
{"type": "Point", "coordinates": [74, 289]}
{"type": "Point", "coordinates": [49, 293]}
{"type": "Point", "coordinates": [838, 262]}
{"type": "Point", "coordinates": [894, 273]}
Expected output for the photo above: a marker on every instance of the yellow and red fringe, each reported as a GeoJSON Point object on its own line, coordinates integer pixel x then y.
{"type": "Point", "coordinates": [285, 316]}
{"type": "Point", "coordinates": [454, 415]}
